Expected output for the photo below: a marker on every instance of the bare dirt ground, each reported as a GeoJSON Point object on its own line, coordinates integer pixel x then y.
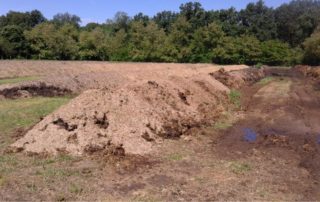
{"type": "Point", "coordinates": [266, 147]}
{"type": "Point", "coordinates": [20, 68]}
{"type": "Point", "coordinates": [78, 75]}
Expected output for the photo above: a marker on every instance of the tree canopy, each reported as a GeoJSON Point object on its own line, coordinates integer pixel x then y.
{"type": "Point", "coordinates": [312, 49]}
{"type": "Point", "coordinates": [255, 34]}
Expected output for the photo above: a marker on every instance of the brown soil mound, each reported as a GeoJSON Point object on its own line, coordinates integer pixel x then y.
{"type": "Point", "coordinates": [77, 77]}
{"type": "Point", "coordinates": [236, 79]}
{"type": "Point", "coordinates": [135, 117]}
{"type": "Point", "coordinates": [309, 71]}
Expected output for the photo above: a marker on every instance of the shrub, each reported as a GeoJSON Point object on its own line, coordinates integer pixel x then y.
{"type": "Point", "coordinates": [312, 49]}
{"type": "Point", "coordinates": [234, 97]}
{"type": "Point", "coordinates": [275, 52]}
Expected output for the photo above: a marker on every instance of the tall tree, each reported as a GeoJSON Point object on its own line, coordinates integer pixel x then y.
{"type": "Point", "coordinates": [297, 20]}
{"type": "Point", "coordinates": [117, 46]}
{"type": "Point", "coordinates": [146, 42]}
{"type": "Point", "coordinates": [91, 26]}
{"type": "Point", "coordinates": [120, 21]}
{"type": "Point", "coordinates": [14, 41]}
{"type": "Point", "coordinates": [92, 45]}
{"type": "Point", "coordinates": [192, 35]}
{"type": "Point", "coordinates": [237, 50]}
{"type": "Point", "coordinates": [25, 20]}
{"type": "Point", "coordinates": [312, 49]}
{"type": "Point", "coordinates": [6, 50]}
{"type": "Point", "coordinates": [36, 17]}
{"type": "Point", "coordinates": [194, 14]}
{"type": "Point", "coordinates": [275, 52]}
{"type": "Point", "coordinates": [259, 20]}
{"type": "Point", "coordinates": [67, 38]}
{"type": "Point", "coordinates": [66, 18]}
{"type": "Point", "coordinates": [205, 39]}
{"type": "Point", "coordinates": [180, 37]}
{"type": "Point", "coordinates": [165, 19]}
{"type": "Point", "coordinates": [229, 20]}
{"type": "Point", "coordinates": [51, 42]}
{"type": "Point", "coordinates": [140, 17]}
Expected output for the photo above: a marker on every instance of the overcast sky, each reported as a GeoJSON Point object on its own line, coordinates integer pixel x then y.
{"type": "Point", "coordinates": [100, 10]}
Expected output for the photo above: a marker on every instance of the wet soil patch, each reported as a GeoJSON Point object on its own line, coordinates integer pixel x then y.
{"type": "Point", "coordinates": [160, 180]}
{"type": "Point", "coordinates": [281, 124]}
{"type": "Point", "coordinates": [64, 125]}
{"type": "Point", "coordinates": [101, 120]}
{"type": "Point", "coordinates": [125, 189]}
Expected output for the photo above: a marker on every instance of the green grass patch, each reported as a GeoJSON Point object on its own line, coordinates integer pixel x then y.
{"type": "Point", "coordinates": [222, 125]}
{"type": "Point", "coordinates": [32, 187]}
{"type": "Point", "coordinates": [18, 79]}
{"type": "Point", "coordinates": [174, 157]}
{"type": "Point", "coordinates": [235, 97]}
{"type": "Point", "coordinates": [75, 189]}
{"type": "Point", "coordinates": [258, 66]}
{"type": "Point", "coordinates": [227, 119]}
{"type": "Point", "coordinates": [240, 168]}
{"type": "Point", "coordinates": [265, 81]}
{"type": "Point", "coordinates": [63, 158]}
{"type": "Point", "coordinates": [8, 163]}
{"type": "Point", "coordinates": [51, 172]}
{"type": "Point", "coordinates": [23, 113]}
{"type": "Point", "coordinates": [3, 181]}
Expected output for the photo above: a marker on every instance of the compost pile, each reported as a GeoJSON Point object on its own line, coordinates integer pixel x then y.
{"type": "Point", "coordinates": [134, 117]}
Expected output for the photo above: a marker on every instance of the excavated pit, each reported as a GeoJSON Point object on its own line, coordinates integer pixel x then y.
{"type": "Point", "coordinates": [281, 120]}
{"type": "Point", "coordinates": [33, 89]}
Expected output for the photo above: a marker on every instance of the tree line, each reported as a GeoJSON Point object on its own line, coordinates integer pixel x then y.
{"type": "Point", "coordinates": [257, 34]}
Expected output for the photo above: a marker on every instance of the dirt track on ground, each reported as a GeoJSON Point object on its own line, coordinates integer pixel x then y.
{"type": "Point", "coordinates": [281, 127]}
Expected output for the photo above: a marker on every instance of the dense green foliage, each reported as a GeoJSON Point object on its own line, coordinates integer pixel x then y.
{"type": "Point", "coordinates": [312, 49]}
{"type": "Point", "coordinates": [257, 34]}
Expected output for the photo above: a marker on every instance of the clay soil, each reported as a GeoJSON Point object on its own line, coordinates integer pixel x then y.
{"type": "Point", "coordinates": [269, 152]}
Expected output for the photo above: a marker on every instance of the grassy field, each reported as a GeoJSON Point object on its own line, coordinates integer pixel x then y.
{"type": "Point", "coordinates": [265, 81]}
{"type": "Point", "coordinates": [38, 173]}
{"type": "Point", "coordinates": [24, 113]}
{"type": "Point", "coordinates": [17, 80]}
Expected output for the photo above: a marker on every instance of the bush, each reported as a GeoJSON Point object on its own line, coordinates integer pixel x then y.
{"type": "Point", "coordinates": [312, 49]}
{"type": "Point", "coordinates": [238, 50]}
{"type": "Point", "coordinates": [249, 50]}
{"type": "Point", "coordinates": [235, 97]}
{"type": "Point", "coordinates": [275, 52]}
